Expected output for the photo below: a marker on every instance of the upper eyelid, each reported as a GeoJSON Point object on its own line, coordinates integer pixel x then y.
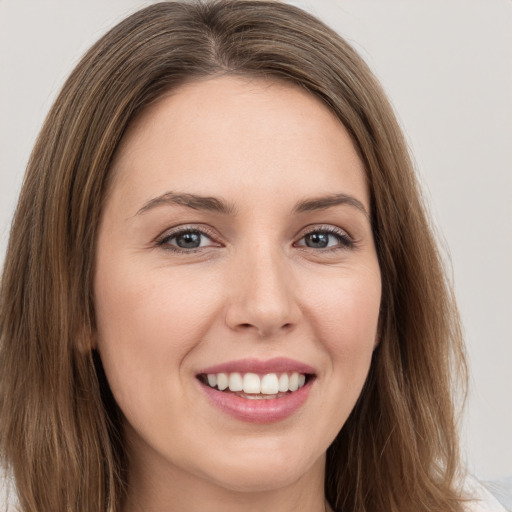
{"type": "Point", "coordinates": [323, 227]}
{"type": "Point", "coordinates": [177, 230]}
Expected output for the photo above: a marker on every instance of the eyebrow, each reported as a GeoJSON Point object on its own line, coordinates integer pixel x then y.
{"type": "Point", "coordinates": [324, 202]}
{"type": "Point", "coordinates": [198, 202]}
{"type": "Point", "coordinates": [194, 201]}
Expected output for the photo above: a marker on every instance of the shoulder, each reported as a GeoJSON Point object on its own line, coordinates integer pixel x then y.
{"type": "Point", "coordinates": [480, 499]}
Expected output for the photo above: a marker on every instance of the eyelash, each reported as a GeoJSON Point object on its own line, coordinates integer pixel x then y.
{"type": "Point", "coordinates": [164, 240]}
{"type": "Point", "coordinates": [345, 241]}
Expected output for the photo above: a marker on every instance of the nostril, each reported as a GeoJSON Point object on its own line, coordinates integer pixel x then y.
{"type": "Point", "coordinates": [246, 325]}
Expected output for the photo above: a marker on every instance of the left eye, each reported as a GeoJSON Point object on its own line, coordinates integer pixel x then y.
{"type": "Point", "coordinates": [190, 239]}
{"type": "Point", "coordinates": [324, 240]}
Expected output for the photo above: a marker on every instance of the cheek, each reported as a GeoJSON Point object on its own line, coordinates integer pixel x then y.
{"type": "Point", "coordinates": [346, 316]}
{"type": "Point", "coordinates": [347, 307]}
{"type": "Point", "coordinates": [147, 322]}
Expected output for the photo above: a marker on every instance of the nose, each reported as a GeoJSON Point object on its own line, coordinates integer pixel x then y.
{"type": "Point", "coordinates": [263, 294]}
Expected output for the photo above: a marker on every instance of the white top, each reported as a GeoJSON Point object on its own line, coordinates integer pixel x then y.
{"type": "Point", "coordinates": [483, 500]}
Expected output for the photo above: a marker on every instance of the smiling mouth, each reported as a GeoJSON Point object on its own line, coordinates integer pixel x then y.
{"type": "Point", "coordinates": [254, 386]}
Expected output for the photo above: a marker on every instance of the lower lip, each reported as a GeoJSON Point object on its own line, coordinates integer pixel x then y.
{"type": "Point", "coordinates": [265, 410]}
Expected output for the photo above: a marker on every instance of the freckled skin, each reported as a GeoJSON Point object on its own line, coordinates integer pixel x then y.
{"type": "Point", "coordinates": [255, 287]}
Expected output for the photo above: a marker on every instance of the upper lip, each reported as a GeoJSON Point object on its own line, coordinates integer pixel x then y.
{"type": "Point", "coordinates": [259, 366]}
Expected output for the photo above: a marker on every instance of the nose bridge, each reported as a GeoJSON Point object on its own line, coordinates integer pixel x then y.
{"type": "Point", "coordinates": [263, 290]}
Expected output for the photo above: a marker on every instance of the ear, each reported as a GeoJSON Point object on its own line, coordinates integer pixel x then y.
{"type": "Point", "coordinates": [380, 328]}
{"type": "Point", "coordinates": [376, 342]}
{"type": "Point", "coordinates": [93, 343]}
{"type": "Point", "coordinates": [86, 340]}
{"type": "Point", "coordinates": [378, 332]}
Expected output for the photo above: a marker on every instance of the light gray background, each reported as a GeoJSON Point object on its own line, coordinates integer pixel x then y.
{"type": "Point", "coordinates": [447, 67]}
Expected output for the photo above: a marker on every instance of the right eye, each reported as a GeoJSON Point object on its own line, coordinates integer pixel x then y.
{"type": "Point", "coordinates": [186, 240]}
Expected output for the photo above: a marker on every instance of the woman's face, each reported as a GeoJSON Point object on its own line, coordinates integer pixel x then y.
{"type": "Point", "coordinates": [236, 250]}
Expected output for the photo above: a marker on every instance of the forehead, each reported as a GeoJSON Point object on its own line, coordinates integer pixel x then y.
{"type": "Point", "coordinates": [211, 135]}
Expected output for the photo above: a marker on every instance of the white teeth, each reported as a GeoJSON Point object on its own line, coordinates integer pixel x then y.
{"type": "Point", "coordinates": [235, 382]}
{"type": "Point", "coordinates": [253, 384]}
{"type": "Point", "coordinates": [222, 381]}
{"type": "Point", "coordinates": [294, 382]}
{"type": "Point", "coordinates": [270, 384]}
{"type": "Point", "coordinates": [283, 382]}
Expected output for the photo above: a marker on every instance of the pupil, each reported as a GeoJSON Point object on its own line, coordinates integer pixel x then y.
{"type": "Point", "coordinates": [317, 240]}
{"type": "Point", "coordinates": [188, 240]}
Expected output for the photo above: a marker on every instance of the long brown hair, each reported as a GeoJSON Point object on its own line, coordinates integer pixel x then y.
{"type": "Point", "coordinates": [60, 428]}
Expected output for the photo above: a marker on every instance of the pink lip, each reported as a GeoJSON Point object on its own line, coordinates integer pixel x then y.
{"type": "Point", "coordinates": [264, 410]}
{"type": "Point", "coordinates": [275, 365]}
{"type": "Point", "coordinates": [258, 411]}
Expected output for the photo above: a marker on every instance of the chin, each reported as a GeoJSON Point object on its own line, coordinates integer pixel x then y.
{"type": "Point", "coordinates": [251, 480]}
{"type": "Point", "coordinates": [266, 470]}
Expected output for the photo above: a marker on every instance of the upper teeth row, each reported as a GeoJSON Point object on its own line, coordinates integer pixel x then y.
{"type": "Point", "coordinates": [268, 384]}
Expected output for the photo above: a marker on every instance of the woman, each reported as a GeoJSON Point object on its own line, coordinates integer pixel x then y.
{"type": "Point", "coordinates": [221, 290]}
